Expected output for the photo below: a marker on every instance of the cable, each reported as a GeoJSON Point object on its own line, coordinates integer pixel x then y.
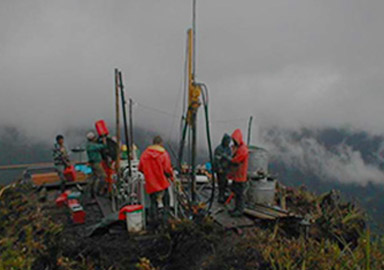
{"type": "Point", "coordinates": [182, 91]}
{"type": "Point", "coordinates": [147, 107]}
{"type": "Point", "coordinates": [230, 120]}
{"type": "Point", "coordinates": [156, 110]}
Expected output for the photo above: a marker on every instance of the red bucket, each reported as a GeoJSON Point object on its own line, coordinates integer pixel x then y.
{"type": "Point", "coordinates": [101, 128]}
{"type": "Point", "coordinates": [129, 209]}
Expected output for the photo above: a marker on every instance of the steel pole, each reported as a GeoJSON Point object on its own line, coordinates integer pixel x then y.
{"type": "Point", "coordinates": [193, 159]}
{"type": "Point", "coordinates": [131, 125]}
{"type": "Point", "coordinates": [249, 130]}
{"type": "Point", "coordinates": [118, 138]}
{"type": "Point", "coordinates": [123, 104]}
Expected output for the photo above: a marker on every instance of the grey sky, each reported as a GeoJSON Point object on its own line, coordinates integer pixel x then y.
{"type": "Point", "coordinates": [289, 63]}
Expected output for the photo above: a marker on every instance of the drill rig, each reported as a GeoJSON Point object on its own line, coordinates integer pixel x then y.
{"type": "Point", "coordinates": [130, 187]}
{"type": "Point", "coordinates": [197, 96]}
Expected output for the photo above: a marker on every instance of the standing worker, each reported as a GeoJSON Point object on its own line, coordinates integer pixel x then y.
{"type": "Point", "coordinates": [222, 159]}
{"type": "Point", "coordinates": [94, 159]}
{"type": "Point", "coordinates": [60, 159]}
{"type": "Point", "coordinates": [239, 164]}
{"type": "Point", "coordinates": [155, 164]}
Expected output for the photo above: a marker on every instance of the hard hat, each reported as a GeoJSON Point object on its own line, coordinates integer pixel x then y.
{"type": "Point", "coordinates": [124, 147]}
{"type": "Point", "coordinates": [91, 135]}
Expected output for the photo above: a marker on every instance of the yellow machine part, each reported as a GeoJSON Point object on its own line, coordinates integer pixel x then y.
{"type": "Point", "coordinates": [194, 91]}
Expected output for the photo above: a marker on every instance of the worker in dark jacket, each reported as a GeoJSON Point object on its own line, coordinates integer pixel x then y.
{"type": "Point", "coordinates": [222, 159]}
{"type": "Point", "coordinates": [155, 164]}
{"type": "Point", "coordinates": [239, 169]}
{"type": "Point", "coordinates": [94, 159]}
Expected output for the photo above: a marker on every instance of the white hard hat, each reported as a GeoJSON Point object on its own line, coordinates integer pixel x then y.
{"type": "Point", "coordinates": [91, 135]}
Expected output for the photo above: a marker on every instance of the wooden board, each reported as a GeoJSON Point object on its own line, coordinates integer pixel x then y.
{"type": "Point", "coordinates": [105, 205]}
{"type": "Point", "coordinates": [269, 211]}
{"type": "Point", "coordinates": [258, 215]}
{"type": "Point", "coordinates": [221, 216]}
{"type": "Point", "coordinates": [45, 178]}
{"type": "Point", "coordinates": [39, 179]}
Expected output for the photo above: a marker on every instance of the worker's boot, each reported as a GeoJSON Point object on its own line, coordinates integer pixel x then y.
{"type": "Point", "coordinates": [221, 198]}
{"type": "Point", "coordinates": [239, 202]}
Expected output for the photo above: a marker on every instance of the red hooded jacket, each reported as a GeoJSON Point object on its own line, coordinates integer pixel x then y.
{"type": "Point", "coordinates": [240, 158]}
{"type": "Point", "coordinates": [155, 163]}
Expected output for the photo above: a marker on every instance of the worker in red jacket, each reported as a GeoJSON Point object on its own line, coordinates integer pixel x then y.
{"type": "Point", "coordinates": [239, 168]}
{"type": "Point", "coordinates": [156, 166]}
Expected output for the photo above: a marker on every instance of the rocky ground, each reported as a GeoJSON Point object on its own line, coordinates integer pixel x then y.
{"type": "Point", "coordinates": [39, 235]}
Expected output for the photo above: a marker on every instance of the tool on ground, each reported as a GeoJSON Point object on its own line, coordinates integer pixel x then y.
{"type": "Point", "coordinates": [77, 211]}
{"type": "Point", "coordinates": [229, 199]}
{"type": "Point", "coordinates": [62, 199]}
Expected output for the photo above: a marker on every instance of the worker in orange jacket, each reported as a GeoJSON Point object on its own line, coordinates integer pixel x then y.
{"type": "Point", "coordinates": [155, 164]}
{"type": "Point", "coordinates": [239, 168]}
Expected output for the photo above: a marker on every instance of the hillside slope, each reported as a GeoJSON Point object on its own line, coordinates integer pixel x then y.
{"type": "Point", "coordinates": [37, 235]}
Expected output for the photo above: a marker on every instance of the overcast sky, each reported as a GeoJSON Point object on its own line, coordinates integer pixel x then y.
{"type": "Point", "coordinates": [296, 63]}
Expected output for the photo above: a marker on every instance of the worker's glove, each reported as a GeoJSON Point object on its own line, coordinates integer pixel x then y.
{"type": "Point", "coordinates": [234, 164]}
{"type": "Point", "coordinates": [226, 158]}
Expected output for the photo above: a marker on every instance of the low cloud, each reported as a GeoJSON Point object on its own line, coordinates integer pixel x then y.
{"type": "Point", "coordinates": [340, 163]}
{"type": "Point", "coordinates": [311, 64]}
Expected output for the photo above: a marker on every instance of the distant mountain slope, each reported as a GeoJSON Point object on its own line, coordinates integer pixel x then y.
{"type": "Point", "coordinates": [352, 161]}
{"type": "Point", "coordinates": [15, 148]}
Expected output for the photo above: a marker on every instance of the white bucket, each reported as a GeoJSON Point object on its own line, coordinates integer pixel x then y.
{"type": "Point", "coordinates": [135, 222]}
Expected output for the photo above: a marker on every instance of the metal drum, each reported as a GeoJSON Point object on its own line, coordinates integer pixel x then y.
{"type": "Point", "coordinates": [257, 161]}
{"type": "Point", "coordinates": [261, 192]}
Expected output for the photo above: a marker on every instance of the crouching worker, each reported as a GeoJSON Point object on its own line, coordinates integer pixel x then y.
{"type": "Point", "coordinates": [239, 164]}
{"type": "Point", "coordinates": [156, 166]}
{"type": "Point", "coordinates": [94, 159]}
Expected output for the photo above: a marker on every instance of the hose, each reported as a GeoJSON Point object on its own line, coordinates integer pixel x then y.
{"type": "Point", "coordinates": [205, 96]}
{"type": "Point", "coordinates": [208, 130]}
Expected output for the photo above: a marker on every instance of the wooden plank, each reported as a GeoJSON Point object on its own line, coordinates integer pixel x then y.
{"type": "Point", "coordinates": [24, 166]}
{"type": "Point", "coordinates": [53, 178]}
{"type": "Point", "coordinates": [228, 222]}
{"type": "Point", "coordinates": [57, 185]}
{"type": "Point", "coordinates": [274, 208]}
{"type": "Point", "coordinates": [221, 216]}
{"type": "Point", "coordinates": [269, 211]}
{"type": "Point", "coordinates": [105, 205]}
{"type": "Point", "coordinates": [45, 178]}
{"type": "Point", "coordinates": [257, 214]}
